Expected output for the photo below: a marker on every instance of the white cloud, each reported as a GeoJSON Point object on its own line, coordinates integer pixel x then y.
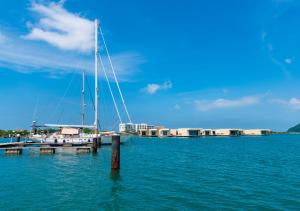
{"type": "Point", "coordinates": [153, 88]}
{"type": "Point", "coordinates": [177, 107]}
{"type": "Point", "coordinates": [289, 60]}
{"type": "Point", "coordinates": [204, 105]}
{"type": "Point", "coordinates": [20, 57]}
{"type": "Point", "coordinates": [71, 32]}
{"type": "Point", "coordinates": [293, 102]}
{"type": "Point", "coordinates": [271, 53]}
{"type": "Point", "coordinates": [62, 29]}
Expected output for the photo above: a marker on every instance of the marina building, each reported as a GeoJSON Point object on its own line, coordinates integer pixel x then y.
{"type": "Point", "coordinates": [130, 127]}
{"type": "Point", "coordinates": [256, 132]}
{"type": "Point", "coordinates": [189, 132]}
{"type": "Point", "coordinates": [163, 132]}
{"type": "Point", "coordinates": [152, 132]}
{"type": "Point", "coordinates": [208, 132]}
{"type": "Point", "coordinates": [143, 132]}
{"type": "Point", "coordinates": [126, 127]}
{"type": "Point", "coordinates": [173, 132]}
{"type": "Point", "coordinates": [227, 132]}
{"type": "Point", "coordinates": [160, 131]}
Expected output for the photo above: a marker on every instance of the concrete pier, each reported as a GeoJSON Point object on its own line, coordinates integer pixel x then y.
{"type": "Point", "coordinates": [14, 151]}
{"type": "Point", "coordinates": [47, 150]}
{"type": "Point", "coordinates": [82, 150]}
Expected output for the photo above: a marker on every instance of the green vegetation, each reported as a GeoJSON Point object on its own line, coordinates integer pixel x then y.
{"type": "Point", "coordinates": [24, 133]}
{"type": "Point", "coordinates": [295, 129]}
{"type": "Point", "coordinates": [12, 133]}
{"type": "Point", "coordinates": [46, 131]}
{"type": "Point", "coordinates": [88, 130]}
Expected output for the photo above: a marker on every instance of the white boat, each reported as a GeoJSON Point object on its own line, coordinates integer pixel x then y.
{"type": "Point", "coordinates": [74, 134]}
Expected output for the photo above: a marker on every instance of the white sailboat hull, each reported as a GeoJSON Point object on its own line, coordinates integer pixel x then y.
{"type": "Point", "coordinates": [105, 140]}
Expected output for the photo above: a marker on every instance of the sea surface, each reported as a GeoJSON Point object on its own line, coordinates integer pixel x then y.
{"type": "Point", "coordinates": [253, 173]}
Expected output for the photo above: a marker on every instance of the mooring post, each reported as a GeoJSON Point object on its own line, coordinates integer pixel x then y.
{"type": "Point", "coordinates": [115, 153]}
{"type": "Point", "coordinates": [94, 146]}
{"type": "Point", "coordinates": [99, 142]}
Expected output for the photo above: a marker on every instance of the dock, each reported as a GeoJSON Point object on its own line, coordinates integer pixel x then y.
{"type": "Point", "coordinates": [17, 148]}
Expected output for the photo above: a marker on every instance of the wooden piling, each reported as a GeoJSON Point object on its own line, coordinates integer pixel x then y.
{"type": "Point", "coordinates": [115, 153]}
{"type": "Point", "coordinates": [94, 146]}
{"type": "Point", "coordinates": [99, 143]}
{"type": "Point", "coordinates": [13, 151]}
{"type": "Point", "coordinates": [47, 150]}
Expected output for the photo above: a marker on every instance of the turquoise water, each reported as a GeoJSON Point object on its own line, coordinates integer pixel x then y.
{"type": "Point", "coordinates": [214, 172]}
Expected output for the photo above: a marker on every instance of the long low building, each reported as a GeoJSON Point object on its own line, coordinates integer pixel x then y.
{"type": "Point", "coordinates": [164, 132]}
{"type": "Point", "coordinates": [160, 131]}
{"type": "Point", "coordinates": [154, 132]}
{"type": "Point", "coordinates": [208, 132]}
{"type": "Point", "coordinates": [227, 132]}
{"type": "Point", "coordinates": [189, 132]}
{"type": "Point", "coordinates": [256, 132]}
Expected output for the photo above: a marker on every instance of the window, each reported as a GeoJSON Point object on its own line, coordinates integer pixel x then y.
{"type": "Point", "coordinates": [193, 132]}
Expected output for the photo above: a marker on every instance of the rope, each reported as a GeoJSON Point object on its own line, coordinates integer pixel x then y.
{"type": "Point", "coordinates": [35, 109]}
{"type": "Point", "coordinates": [110, 90]}
{"type": "Point", "coordinates": [91, 98]}
{"type": "Point", "coordinates": [114, 74]}
{"type": "Point", "coordinates": [62, 98]}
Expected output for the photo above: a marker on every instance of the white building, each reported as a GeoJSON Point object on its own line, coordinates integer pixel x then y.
{"type": "Point", "coordinates": [208, 132]}
{"type": "Point", "coordinates": [228, 132]}
{"type": "Point", "coordinates": [130, 127]}
{"type": "Point", "coordinates": [152, 132]}
{"type": "Point", "coordinates": [189, 132]}
{"type": "Point", "coordinates": [143, 126]}
{"type": "Point", "coordinates": [126, 127]}
{"type": "Point", "coordinates": [173, 132]}
{"type": "Point", "coordinates": [163, 132]}
{"type": "Point", "coordinates": [256, 132]}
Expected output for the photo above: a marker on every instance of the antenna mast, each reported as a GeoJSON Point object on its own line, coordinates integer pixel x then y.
{"type": "Point", "coordinates": [96, 77]}
{"type": "Point", "coordinates": [83, 105]}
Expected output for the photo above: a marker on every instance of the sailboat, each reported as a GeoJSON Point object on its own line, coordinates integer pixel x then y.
{"type": "Point", "coordinates": [74, 134]}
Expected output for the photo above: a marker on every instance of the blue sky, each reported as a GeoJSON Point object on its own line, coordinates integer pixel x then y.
{"type": "Point", "coordinates": [180, 63]}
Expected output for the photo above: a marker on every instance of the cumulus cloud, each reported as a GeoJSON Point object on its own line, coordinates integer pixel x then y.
{"type": "Point", "coordinates": [64, 30]}
{"type": "Point", "coordinates": [153, 88]}
{"type": "Point", "coordinates": [204, 105]}
{"type": "Point", "coordinates": [61, 28]}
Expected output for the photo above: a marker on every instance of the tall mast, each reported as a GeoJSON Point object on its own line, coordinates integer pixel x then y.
{"type": "Point", "coordinates": [83, 105]}
{"type": "Point", "coordinates": [96, 77]}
